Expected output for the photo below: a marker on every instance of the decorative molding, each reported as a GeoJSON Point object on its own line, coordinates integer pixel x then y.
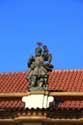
{"type": "Point", "coordinates": [41, 119]}
{"type": "Point", "coordinates": [37, 101]}
{"type": "Point", "coordinates": [56, 94]}
{"type": "Point", "coordinates": [42, 115]}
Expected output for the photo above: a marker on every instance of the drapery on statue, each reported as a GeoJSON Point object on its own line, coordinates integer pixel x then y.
{"type": "Point", "coordinates": [39, 66]}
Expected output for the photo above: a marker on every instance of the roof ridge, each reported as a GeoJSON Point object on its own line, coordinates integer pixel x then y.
{"type": "Point", "coordinates": [68, 70]}
{"type": "Point", "coordinates": [55, 70]}
{"type": "Point", "coordinates": [12, 72]}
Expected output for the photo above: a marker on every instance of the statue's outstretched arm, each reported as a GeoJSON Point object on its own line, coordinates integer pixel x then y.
{"type": "Point", "coordinates": [30, 61]}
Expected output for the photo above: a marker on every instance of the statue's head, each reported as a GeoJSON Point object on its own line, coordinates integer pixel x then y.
{"type": "Point", "coordinates": [45, 48]}
{"type": "Point", "coordinates": [38, 51]}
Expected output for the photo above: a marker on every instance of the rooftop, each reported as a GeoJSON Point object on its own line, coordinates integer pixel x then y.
{"type": "Point", "coordinates": [65, 80]}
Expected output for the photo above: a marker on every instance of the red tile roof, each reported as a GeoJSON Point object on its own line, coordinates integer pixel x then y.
{"type": "Point", "coordinates": [67, 80]}
{"type": "Point", "coordinates": [13, 82]}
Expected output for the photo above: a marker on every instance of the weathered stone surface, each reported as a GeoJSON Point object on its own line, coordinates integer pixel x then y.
{"type": "Point", "coordinates": [39, 66]}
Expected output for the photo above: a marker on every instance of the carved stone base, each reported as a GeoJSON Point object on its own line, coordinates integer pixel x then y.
{"type": "Point", "coordinates": [38, 88]}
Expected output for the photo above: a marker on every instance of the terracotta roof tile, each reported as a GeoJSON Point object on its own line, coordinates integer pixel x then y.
{"type": "Point", "coordinates": [13, 82]}
{"type": "Point", "coordinates": [11, 104]}
{"type": "Point", "coordinates": [66, 80]}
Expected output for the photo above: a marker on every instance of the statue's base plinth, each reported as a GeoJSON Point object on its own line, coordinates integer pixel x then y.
{"type": "Point", "coordinates": [35, 100]}
{"type": "Point", "coordinates": [38, 88]}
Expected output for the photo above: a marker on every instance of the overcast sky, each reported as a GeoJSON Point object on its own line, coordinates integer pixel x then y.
{"type": "Point", "coordinates": [56, 23]}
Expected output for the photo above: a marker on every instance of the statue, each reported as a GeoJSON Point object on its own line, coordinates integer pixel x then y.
{"type": "Point", "coordinates": [39, 66]}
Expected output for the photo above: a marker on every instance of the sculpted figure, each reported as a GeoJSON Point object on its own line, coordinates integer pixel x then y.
{"type": "Point", "coordinates": [47, 58]}
{"type": "Point", "coordinates": [39, 65]}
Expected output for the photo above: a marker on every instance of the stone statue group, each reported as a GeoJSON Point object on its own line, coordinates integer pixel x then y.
{"type": "Point", "coordinates": [39, 66]}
